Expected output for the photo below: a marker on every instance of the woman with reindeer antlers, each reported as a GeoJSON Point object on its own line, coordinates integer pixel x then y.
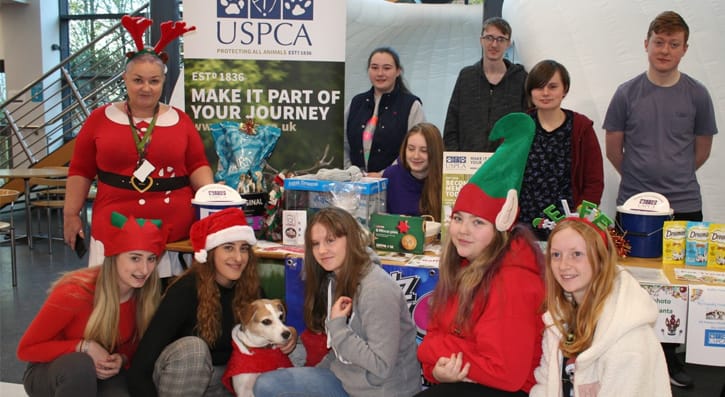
{"type": "Point", "coordinates": [148, 156]}
{"type": "Point", "coordinates": [189, 340]}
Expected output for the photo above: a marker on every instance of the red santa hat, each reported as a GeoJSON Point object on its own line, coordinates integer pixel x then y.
{"type": "Point", "coordinates": [492, 192]}
{"type": "Point", "coordinates": [218, 228]}
{"type": "Point", "coordinates": [136, 234]}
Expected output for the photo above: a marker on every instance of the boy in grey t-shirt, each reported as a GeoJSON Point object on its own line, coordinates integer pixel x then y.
{"type": "Point", "coordinates": [660, 127]}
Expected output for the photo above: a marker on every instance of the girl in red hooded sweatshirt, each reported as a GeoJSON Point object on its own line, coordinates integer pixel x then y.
{"type": "Point", "coordinates": [484, 336]}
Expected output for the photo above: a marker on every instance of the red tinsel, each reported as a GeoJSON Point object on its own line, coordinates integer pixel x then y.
{"type": "Point", "coordinates": [620, 242]}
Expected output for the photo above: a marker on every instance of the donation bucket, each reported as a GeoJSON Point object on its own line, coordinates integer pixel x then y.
{"type": "Point", "coordinates": [215, 197]}
{"type": "Point", "coordinates": [641, 218]}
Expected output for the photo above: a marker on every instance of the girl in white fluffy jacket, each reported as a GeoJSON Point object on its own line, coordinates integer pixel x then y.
{"type": "Point", "coordinates": [599, 340]}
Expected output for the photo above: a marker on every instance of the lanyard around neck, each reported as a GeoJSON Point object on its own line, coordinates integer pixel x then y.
{"type": "Point", "coordinates": [142, 143]}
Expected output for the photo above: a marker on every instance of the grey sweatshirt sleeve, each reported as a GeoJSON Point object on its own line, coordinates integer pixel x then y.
{"type": "Point", "coordinates": [371, 339]}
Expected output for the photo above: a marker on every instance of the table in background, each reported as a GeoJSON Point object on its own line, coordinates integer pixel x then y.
{"type": "Point", "coordinates": [26, 174]}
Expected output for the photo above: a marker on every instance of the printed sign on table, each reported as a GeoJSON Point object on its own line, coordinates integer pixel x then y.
{"type": "Point", "coordinates": [706, 325]}
{"type": "Point", "coordinates": [672, 303]}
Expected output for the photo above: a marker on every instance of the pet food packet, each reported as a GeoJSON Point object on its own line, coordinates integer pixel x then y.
{"type": "Point", "coordinates": [716, 246]}
{"type": "Point", "coordinates": [673, 242]}
{"type": "Point", "coordinates": [696, 243]}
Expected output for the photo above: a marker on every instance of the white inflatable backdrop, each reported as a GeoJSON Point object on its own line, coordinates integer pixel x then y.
{"type": "Point", "coordinates": [600, 42]}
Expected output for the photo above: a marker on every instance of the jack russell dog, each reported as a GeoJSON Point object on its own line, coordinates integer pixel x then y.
{"type": "Point", "coordinates": [256, 344]}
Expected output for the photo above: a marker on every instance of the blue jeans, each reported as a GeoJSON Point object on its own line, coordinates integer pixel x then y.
{"type": "Point", "coordinates": [299, 382]}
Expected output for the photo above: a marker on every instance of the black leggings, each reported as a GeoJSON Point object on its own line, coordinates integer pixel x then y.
{"type": "Point", "coordinates": [467, 389]}
{"type": "Point", "coordinates": [71, 375]}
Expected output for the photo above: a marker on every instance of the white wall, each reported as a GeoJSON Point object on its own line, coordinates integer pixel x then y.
{"type": "Point", "coordinates": [434, 42]}
{"type": "Point", "coordinates": [601, 43]}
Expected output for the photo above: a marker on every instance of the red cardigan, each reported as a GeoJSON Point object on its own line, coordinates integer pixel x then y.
{"type": "Point", "coordinates": [59, 325]}
{"type": "Point", "coordinates": [587, 165]}
{"type": "Point", "coordinates": [504, 346]}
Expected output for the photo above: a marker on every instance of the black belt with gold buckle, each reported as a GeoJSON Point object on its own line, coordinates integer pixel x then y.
{"type": "Point", "coordinates": [149, 185]}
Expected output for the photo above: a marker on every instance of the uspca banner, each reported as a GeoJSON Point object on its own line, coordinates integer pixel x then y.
{"type": "Point", "coordinates": [266, 29]}
{"type": "Point", "coordinates": [273, 62]}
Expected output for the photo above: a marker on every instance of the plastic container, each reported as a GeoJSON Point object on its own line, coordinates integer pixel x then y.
{"type": "Point", "coordinates": [641, 218]}
{"type": "Point", "coordinates": [215, 197]}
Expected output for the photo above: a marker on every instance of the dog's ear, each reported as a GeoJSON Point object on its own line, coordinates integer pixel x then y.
{"type": "Point", "coordinates": [282, 308]}
{"type": "Point", "coordinates": [246, 312]}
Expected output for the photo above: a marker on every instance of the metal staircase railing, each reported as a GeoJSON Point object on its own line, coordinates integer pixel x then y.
{"type": "Point", "coordinates": [49, 111]}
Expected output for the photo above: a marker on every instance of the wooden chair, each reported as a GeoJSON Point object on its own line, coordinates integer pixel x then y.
{"type": "Point", "coordinates": [50, 195]}
{"type": "Point", "coordinates": [8, 196]}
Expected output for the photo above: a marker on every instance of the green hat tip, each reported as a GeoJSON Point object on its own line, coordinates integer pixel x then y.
{"type": "Point", "coordinates": [505, 169]}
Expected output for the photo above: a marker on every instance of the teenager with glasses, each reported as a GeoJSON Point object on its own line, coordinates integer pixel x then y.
{"type": "Point", "coordinates": [484, 92]}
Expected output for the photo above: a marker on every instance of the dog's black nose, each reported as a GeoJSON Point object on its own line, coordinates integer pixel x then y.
{"type": "Point", "coordinates": [285, 334]}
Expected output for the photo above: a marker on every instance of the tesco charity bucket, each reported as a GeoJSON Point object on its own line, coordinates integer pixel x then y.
{"type": "Point", "coordinates": [215, 197]}
{"type": "Point", "coordinates": [641, 219]}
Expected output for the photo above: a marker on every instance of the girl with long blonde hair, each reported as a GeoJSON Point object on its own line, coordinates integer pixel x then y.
{"type": "Point", "coordinates": [599, 338]}
{"type": "Point", "coordinates": [85, 334]}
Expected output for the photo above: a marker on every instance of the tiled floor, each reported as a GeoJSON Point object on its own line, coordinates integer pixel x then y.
{"type": "Point", "coordinates": [37, 269]}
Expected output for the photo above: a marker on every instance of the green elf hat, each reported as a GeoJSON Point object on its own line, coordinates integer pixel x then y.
{"type": "Point", "coordinates": [136, 234]}
{"type": "Point", "coordinates": [492, 192]}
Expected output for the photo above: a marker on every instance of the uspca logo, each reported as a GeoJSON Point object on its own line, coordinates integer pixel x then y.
{"type": "Point", "coordinates": [266, 9]}
{"type": "Point", "coordinates": [250, 22]}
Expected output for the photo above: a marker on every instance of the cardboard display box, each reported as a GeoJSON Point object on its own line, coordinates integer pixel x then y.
{"type": "Point", "coordinates": [362, 198]}
{"type": "Point", "coordinates": [399, 233]}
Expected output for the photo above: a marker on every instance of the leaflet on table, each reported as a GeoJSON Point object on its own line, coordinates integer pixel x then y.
{"type": "Point", "coordinates": [700, 276]}
{"type": "Point", "coordinates": [706, 325]}
{"type": "Point", "coordinates": [646, 275]}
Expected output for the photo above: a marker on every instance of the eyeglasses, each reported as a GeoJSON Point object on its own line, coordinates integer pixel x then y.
{"type": "Point", "coordinates": [491, 39]}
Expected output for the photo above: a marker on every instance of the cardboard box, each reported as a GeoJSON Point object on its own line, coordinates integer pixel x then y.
{"type": "Point", "coordinates": [458, 167]}
{"type": "Point", "coordinates": [362, 198]}
{"type": "Point", "coordinates": [255, 209]}
{"type": "Point", "coordinates": [398, 233]}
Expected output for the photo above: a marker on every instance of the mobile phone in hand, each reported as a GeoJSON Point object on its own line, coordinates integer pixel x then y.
{"type": "Point", "coordinates": [80, 246]}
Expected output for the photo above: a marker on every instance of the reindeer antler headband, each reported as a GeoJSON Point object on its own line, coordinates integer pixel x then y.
{"type": "Point", "coordinates": [136, 26]}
